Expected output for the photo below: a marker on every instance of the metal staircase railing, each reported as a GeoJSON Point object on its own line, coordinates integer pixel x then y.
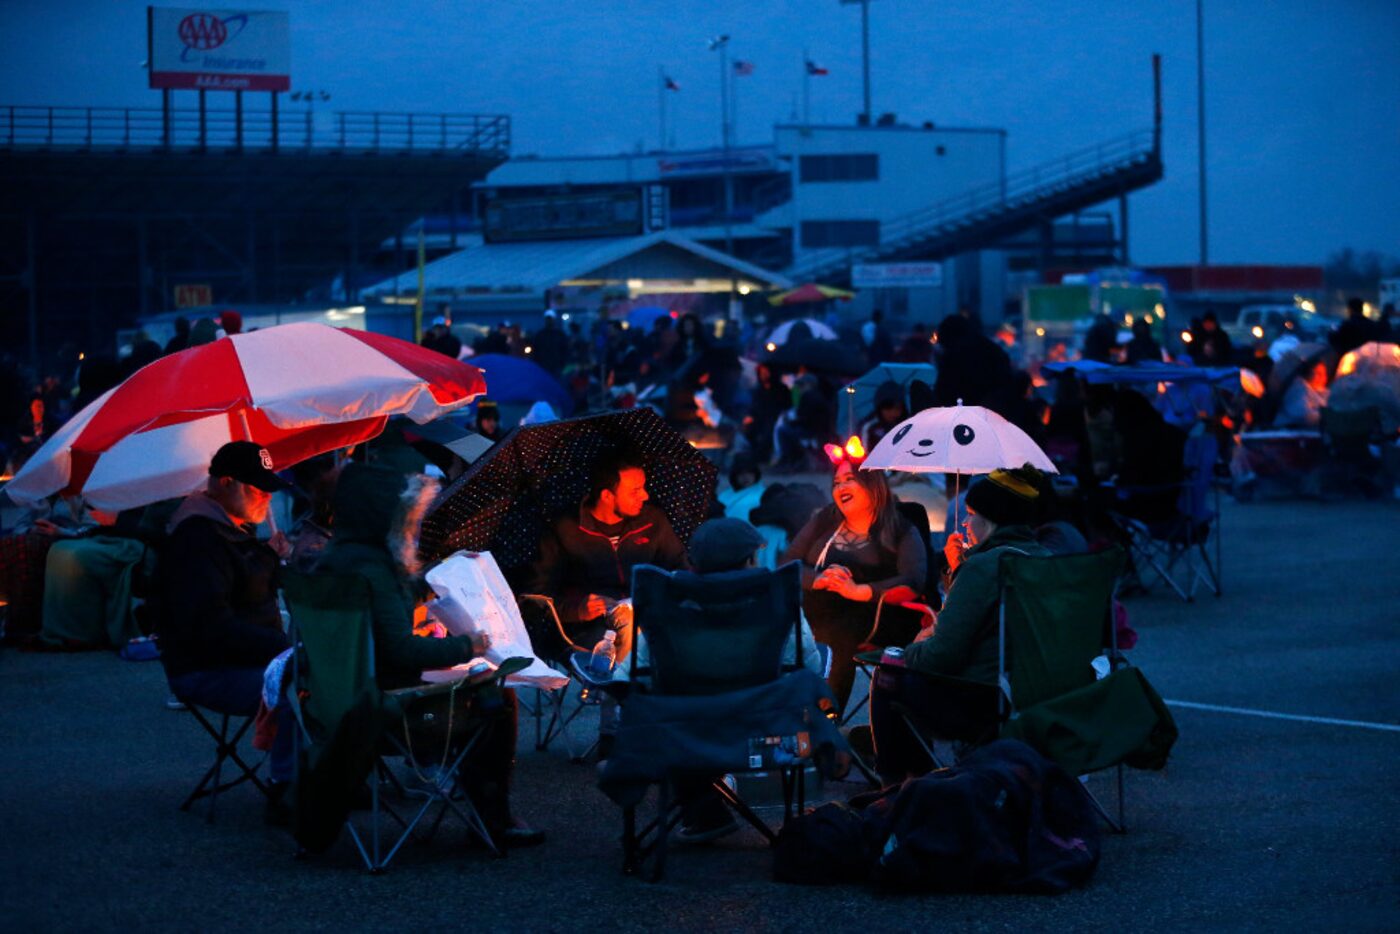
{"type": "Point", "coordinates": [1019, 192]}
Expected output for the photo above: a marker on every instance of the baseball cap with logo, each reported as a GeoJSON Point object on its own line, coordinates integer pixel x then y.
{"type": "Point", "coordinates": [247, 463]}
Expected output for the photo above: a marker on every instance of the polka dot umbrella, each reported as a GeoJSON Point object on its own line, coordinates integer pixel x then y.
{"type": "Point", "coordinates": [504, 503]}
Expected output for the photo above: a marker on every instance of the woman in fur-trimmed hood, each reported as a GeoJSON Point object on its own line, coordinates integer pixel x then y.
{"type": "Point", "coordinates": [377, 515]}
{"type": "Point", "coordinates": [378, 512]}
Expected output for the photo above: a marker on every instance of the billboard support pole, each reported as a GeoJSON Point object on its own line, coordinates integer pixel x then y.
{"type": "Point", "coordinates": [274, 121]}
{"type": "Point", "coordinates": [203, 121]}
{"type": "Point", "coordinates": [238, 120]}
{"type": "Point", "coordinates": [165, 104]}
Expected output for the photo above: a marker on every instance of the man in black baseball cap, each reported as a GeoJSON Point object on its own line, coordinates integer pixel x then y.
{"type": "Point", "coordinates": [241, 480]}
{"type": "Point", "coordinates": [215, 597]}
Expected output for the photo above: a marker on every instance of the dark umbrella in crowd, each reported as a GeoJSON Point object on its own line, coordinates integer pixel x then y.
{"type": "Point", "coordinates": [539, 472]}
{"type": "Point", "coordinates": [1294, 362]}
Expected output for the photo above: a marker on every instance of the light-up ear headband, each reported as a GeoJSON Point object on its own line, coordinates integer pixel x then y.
{"type": "Point", "coordinates": [853, 453]}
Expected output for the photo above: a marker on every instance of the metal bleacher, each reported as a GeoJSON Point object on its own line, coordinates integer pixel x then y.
{"type": "Point", "coordinates": [985, 215]}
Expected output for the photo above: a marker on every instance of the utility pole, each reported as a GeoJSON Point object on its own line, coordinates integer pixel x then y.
{"type": "Point", "coordinates": [864, 51]}
{"type": "Point", "coordinates": [1201, 126]}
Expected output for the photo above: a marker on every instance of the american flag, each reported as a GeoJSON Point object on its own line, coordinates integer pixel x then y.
{"type": "Point", "coordinates": [670, 84]}
{"type": "Point", "coordinates": [814, 69]}
{"type": "Point", "coordinates": [743, 69]}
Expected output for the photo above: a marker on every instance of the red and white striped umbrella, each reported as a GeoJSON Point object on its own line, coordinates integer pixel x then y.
{"type": "Point", "coordinates": [296, 389]}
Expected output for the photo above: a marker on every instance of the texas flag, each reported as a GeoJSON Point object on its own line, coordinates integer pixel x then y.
{"type": "Point", "coordinates": [743, 69]}
{"type": "Point", "coordinates": [814, 69]}
{"type": "Point", "coordinates": [670, 84]}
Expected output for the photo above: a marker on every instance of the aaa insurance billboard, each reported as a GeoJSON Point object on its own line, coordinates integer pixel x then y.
{"type": "Point", "coordinates": [219, 50]}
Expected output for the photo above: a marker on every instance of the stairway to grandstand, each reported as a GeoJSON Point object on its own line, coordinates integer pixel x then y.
{"type": "Point", "coordinates": [983, 216]}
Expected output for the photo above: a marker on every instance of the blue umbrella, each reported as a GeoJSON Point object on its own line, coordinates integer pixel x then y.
{"type": "Point", "coordinates": [1143, 373]}
{"type": "Point", "coordinates": [644, 317]}
{"type": "Point", "coordinates": [517, 380]}
{"type": "Point", "coordinates": [857, 402]}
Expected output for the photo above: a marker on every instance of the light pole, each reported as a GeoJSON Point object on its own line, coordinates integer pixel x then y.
{"type": "Point", "coordinates": [1201, 125]}
{"type": "Point", "coordinates": [864, 50]}
{"type": "Point", "coordinates": [720, 44]}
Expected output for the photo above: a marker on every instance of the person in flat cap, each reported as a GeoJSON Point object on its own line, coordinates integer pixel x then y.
{"type": "Point", "coordinates": [215, 596]}
{"type": "Point", "coordinates": [1002, 510]}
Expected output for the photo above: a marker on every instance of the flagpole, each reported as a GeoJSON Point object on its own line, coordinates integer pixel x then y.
{"type": "Point", "coordinates": [806, 90]}
{"type": "Point", "coordinates": [661, 104]}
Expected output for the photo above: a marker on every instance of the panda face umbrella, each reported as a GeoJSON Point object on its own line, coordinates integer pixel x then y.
{"type": "Point", "coordinates": [960, 439]}
{"type": "Point", "coordinates": [504, 503]}
{"type": "Point", "coordinates": [956, 439]}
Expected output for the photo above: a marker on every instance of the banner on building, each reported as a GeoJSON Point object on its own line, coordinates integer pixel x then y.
{"type": "Point", "coordinates": [191, 295]}
{"type": "Point", "coordinates": [897, 275]}
{"type": "Point", "coordinates": [219, 50]}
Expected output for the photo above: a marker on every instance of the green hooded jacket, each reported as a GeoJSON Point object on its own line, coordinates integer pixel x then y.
{"type": "Point", "coordinates": [964, 643]}
{"type": "Point", "coordinates": [377, 512]}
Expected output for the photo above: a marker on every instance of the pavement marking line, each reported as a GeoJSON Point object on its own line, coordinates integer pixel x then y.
{"type": "Point", "coordinates": [1362, 724]}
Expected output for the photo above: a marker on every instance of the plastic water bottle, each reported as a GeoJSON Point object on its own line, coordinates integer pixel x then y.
{"type": "Point", "coordinates": [600, 665]}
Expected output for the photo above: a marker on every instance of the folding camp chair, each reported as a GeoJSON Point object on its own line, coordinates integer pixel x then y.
{"type": "Point", "coordinates": [1180, 547]}
{"type": "Point", "coordinates": [897, 627]}
{"type": "Point", "coordinates": [554, 645]}
{"type": "Point", "coordinates": [1055, 617]}
{"type": "Point", "coordinates": [348, 725]}
{"type": "Point", "coordinates": [709, 637]}
{"type": "Point", "coordinates": [1347, 435]}
{"type": "Point", "coordinates": [226, 736]}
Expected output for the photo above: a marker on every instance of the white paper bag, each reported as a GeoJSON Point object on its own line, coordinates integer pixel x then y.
{"type": "Point", "coordinates": [473, 598]}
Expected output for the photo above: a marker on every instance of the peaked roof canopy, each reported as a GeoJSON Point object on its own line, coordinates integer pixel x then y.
{"type": "Point", "coordinates": [535, 267]}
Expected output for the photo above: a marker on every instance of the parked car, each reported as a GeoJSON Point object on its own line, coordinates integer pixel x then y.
{"type": "Point", "coordinates": [1267, 322]}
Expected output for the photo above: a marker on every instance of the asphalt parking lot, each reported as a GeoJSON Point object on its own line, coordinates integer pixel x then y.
{"type": "Point", "coordinates": [1283, 818]}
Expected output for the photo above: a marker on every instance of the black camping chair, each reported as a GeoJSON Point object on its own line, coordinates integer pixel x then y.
{"type": "Point", "coordinates": [894, 624]}
{"type": "Point", "coordinates": [707, 637]}
{"type": "Point", "coordinates": [1177, 542]}
{"type": "Point", "coordinates": [555, 644]}
{"type": "Point", "coordinates": [227, 735]}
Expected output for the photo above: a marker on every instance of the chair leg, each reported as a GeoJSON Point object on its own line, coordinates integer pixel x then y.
{"type": "Point", "coordinates": [211, 785]}
{"type": "Point", "coordinates": [1117, 826]}
{"type": "Point", "coordinates": [629, 840]}
{"type": "Point", "coordinates": [739, 807]}
{"type": "Point", "coordinates": [663, 831]}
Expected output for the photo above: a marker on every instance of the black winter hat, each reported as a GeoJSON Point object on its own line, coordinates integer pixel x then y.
{"type": "Point", "coordinates": [1005, 499]}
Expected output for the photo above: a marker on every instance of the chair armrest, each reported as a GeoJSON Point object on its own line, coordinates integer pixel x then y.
{"type": "Point", "coordinates": [496, 675]}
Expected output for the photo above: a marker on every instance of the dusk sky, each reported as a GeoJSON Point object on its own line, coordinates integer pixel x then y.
{"type": "Point", "coordinates": [1303, 98]}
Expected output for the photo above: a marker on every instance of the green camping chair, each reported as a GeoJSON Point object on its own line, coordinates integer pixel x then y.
{"type": "Point", "coordinates": [1055, 618]}
{"type": "Point", "coordinates": [348, 725]}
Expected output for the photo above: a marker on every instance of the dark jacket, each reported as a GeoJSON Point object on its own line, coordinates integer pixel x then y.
{"type": "Point", "coordinates": [964, 642]}
{"type": "Point", "coordinates": [582, 556]}
{"type": "Point", "coordinates": [216, 593]}
{"type": "Point", "coordinates": [908, 563]}
{"type": "Point", "coordinates": [376, 512]}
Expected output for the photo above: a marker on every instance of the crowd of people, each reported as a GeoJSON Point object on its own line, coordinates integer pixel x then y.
{"type": "Point", "coordinates": [873, 570]}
